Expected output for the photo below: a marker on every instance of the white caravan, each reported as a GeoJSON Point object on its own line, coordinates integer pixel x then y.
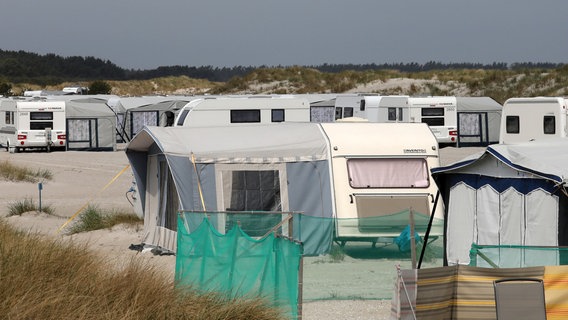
{"type": "Point", "coordinates": [440, 113]}
{"type": "Point", "coordinates": [32, 124]}
{"type": "Point", "coordinates": [529, 119]}
{"type": "Point", "coordinates": [243, 110]}
{"type": "Point", "coordinates": [374, 108]}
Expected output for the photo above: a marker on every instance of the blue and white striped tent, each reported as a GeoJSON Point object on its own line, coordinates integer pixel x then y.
{"type": "Point", "coordinates": [506, 195]}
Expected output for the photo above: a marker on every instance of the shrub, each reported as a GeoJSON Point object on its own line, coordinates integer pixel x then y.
{"type": "Point", "coordinates": [100, 87]}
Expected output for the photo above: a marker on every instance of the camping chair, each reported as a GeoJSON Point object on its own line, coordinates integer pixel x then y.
{"type": "Point", "coordinates": [519, 298]}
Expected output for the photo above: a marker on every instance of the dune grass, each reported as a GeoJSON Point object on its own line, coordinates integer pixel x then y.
{"type": "Point", "coordinates": [16, 208]}
{"type": "Point", "coordinates": [55, 279]}
{"type": "Point", "coordinates": [12, 172]}
{"type": "Point", "coordinates": [95, 218]}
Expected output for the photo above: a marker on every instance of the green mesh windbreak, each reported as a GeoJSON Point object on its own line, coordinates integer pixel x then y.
{"type": "Point", "coordinates": [514, 256]}
{"type": "Point", "coordinates": [238, 265]}
{"type": "Point", "coordinates": [361, 266]}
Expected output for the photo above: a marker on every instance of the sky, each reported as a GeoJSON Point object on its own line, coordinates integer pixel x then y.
{"type": "Point", "coordinates": [146, 34]}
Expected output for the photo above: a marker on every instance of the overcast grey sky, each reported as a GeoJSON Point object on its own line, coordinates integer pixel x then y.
{"type": "Point", "coordinates": [145, 34]}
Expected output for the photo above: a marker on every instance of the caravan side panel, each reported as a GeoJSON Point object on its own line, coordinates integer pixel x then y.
{"type": "Point", "coordinates": [529, 119]}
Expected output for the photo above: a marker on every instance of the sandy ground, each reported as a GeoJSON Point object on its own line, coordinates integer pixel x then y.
{"type": "Point", "coordinates": [103, 179]}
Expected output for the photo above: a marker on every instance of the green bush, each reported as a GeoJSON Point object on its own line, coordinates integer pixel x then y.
{"type": "Point", "coordinates": [99, 87]}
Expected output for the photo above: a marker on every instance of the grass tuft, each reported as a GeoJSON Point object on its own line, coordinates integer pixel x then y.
{"type": "Point", "coordinates": [94, 218]}
{"type": "Point", "coordinates": [336, 254]}
{"type": "Point", "coordinates": [11, 172]}
{"type": "Point", "coordinates": [56, 279]}
{"type": "Point", "coordinates": [16, 208]}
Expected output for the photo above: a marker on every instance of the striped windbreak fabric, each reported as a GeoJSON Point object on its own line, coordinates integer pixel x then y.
{"type": "Point", "coordinates": [465, 292]}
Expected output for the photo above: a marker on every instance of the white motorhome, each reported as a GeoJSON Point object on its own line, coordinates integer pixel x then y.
{"type": "Point", "coordinates": [440, 113]}
{"type": "Point", "coordinates": [352, 181]}
{"type": "Point", "coordinates": [243, 110]}
{"type": "Point", "coordinates": [529, 119]}
{"type": "Point", "coordinates": [32, 124]}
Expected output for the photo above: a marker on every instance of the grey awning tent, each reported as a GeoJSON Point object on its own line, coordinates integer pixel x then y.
{"type": "Point", "coordinates": [506, 195]}
{"type": "Point", "coordinates": [479, 121]}
{"type": "Point", "coordinates": [91, 125]}
{"type": "Point", "coordinates": [178, 168]}
{"type": "Point", "coordinates": [160, 114]}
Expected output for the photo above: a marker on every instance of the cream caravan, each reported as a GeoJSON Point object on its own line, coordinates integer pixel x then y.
{"type": "Point", "coordinates": [351, 181]}
{"type": "Point", "coordinates": [530, 119]}
{"type": "Point", "coordinates": [32, 124]}
{"type": "Point", "coordinates": [243, 110]}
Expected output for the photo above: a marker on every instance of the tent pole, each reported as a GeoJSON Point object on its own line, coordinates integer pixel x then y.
{"type": "Point", "coordinates": [412, 240]}
{"type": "Point", "coordinates": [424, 245]}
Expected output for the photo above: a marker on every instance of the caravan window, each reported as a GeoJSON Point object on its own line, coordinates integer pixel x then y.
{"type": "Point", "coordinates": [549, 124]}
{"type": "Point", "coordinates": [245, 116]}
{"type": "Point", "coordinates": [391, 114]}
{"type": "Point", "coordinates": [433, 116]}
{"type": "Point", "coordinates": [362, 105]}
{"type": "Point", "coordinates": [182, 117]}
{"type": "Point", "coordinates": [432, 112]}
{"type": "Point", "coordinates": [348, 112]}
{"type": "Point", "coordinates": [278, 115]}
{"type": "Point", "coordinates": [512, 124]}
{"type": "Point", "coordinates": [41, 125]}
{"type": "Point", "coordinates": [338, 113]}
{"type": "Point", "coordinates": [38, 120]}
{"type": "Point", "coordinates": [394, 114]}
{"type": "Point", "coordinates": [388, 173]}
{"type": "Point", "coordinates": [9, 117]}
{"type": "Point", "coordinates": [41, 116]}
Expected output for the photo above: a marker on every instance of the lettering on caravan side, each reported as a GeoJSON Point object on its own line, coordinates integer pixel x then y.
{"type": "Point", "coordinates": [414, 150]}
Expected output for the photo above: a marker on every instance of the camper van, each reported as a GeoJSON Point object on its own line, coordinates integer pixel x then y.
{"type": "Point", "coordinates": [352, 181]}
{"type": "Point", "coordinates": [32, 124]}
{"type": "Point", "coordinates": [530, 119]}
{"type": "Point", "coordinates": [440, 113]}
{"type": "Point", "coordinates": [243, 110]}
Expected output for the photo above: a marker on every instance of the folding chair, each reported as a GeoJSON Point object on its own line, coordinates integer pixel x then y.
{"type": "Point", "coordinates": [520, 298]}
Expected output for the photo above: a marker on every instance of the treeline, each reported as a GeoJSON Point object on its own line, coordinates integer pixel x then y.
{"type": "Point", "coordinates": [49, 69]}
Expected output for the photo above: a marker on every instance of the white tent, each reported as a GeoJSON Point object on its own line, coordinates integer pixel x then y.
{"type": "Point", "coordinates": [506, 195]}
